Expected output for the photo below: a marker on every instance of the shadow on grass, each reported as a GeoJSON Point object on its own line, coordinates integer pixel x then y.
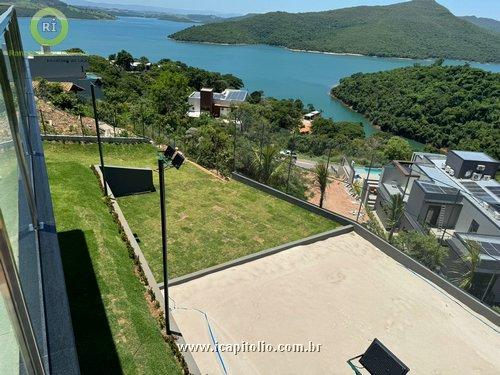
{"type": "Point", "coordinates": [94, 341]}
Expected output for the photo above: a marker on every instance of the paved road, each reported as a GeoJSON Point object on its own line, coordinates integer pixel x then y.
{"type": "Point", "coordinates": [311, 164]}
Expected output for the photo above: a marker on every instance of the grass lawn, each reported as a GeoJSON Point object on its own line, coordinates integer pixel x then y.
{"type": "Point", "coordinates": [209, 221]}
{"type": "Point", "coordinates": [212, 221]}
{"type": "Point", "coordinates": [114, 330]}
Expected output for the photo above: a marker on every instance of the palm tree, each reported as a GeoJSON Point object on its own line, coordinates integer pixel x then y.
{"type": "Point", "coordinates": [472, 258]}
{"type": "Point", "coordinates": [321, 174]}
{"type": "Point", "coordinates": [266, 163]}
{"type": "Point", "coordinates": [394, 211]}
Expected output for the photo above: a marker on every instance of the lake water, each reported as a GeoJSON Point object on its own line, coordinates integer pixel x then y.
{"type": "Point", "coordinates": [279, 72]}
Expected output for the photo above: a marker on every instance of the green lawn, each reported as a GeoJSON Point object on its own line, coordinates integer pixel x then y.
{"type": "Point", "coordinates": [114, 330]}
{"type": "Point", "coordinates": [212, 221]}
{"type": "Point", "coordinates": [209, 221]}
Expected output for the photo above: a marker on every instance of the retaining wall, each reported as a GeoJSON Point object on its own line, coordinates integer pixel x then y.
{"type": "Point", "coordinates": [259, 255]}
{"type": "Point", "coordinates": [93, 139]}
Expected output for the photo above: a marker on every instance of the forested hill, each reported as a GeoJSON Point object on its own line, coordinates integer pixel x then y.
{"type": "Point", "coordinates": [455, 107]}
{"type": "Point", "coordinates": [414, 29]}
{"type": "Point", "coordinates": [486, 23]}
{"type": "Point", "coordinates": [27, 8]}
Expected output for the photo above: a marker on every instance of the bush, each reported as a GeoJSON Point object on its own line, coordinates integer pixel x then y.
{"type": "Point", "coordinates": [424, 248]}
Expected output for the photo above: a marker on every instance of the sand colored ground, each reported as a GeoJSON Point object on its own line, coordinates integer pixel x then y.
{"type": "Point", "coordinates": [338, 200]}
{"type": "Point", "coordinates": [340, 293]}
{"type": "Point", "coordinates": [306, 127]}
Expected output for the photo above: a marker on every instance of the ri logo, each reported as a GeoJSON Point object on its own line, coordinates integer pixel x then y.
{"type": "Point", "coordinates": [49, 26]}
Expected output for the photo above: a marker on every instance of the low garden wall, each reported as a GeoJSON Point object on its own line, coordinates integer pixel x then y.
{"type": "Point", "coordinates": [93, 139]}
{"type": "Point", "coordinates": [260, 254]}
{"type": "Point", "coordinates": [146, 273]}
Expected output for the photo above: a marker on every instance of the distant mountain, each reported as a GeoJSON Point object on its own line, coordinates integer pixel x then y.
{"type": "Point", "coordinates": [144, 8]}
{"type": "Point", "coordinates": [27, 8]}
{"type": "Point", "coordinates": [413, 29]}
{"type": "Point", "coordinates": [485, 23]}
{"type": "Point", "coordinates": [191, 18]}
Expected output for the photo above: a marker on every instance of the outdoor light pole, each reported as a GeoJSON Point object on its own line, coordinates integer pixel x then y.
{"type": "Point", "coordinates": [234, 146]}
{"type": "Point", "coordinates": [98, 131]}
{"type": "Point", "coordinates": [291, 162]}
{"type": "Point", "coordinates": [161, 171]}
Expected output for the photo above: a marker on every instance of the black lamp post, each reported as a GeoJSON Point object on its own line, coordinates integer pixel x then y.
{"type": "Point", "coordinates": [98, 131]}
{"type": "Point", "coordinates": [168, 159]}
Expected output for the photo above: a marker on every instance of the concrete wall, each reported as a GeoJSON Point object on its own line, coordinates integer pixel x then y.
{"type": "Point", "coordinates": [296, 201]}
{"type": "Point", "coordinates": [59, 67]}
{"type": "Point", "coordinates": [415, 200]}
{"type": "Point", "coordinates": [470, 212]}
{"type": "Point", "coordinates": [346, 170]}
{"type": "Point", "coordinates": [261, 254]}
{"type": "Point", "coordinates": [461, 166]}
{"type": "Point", "coordinates": [194, 105]}
{"type": "Point", "coordinates": [93, 139]}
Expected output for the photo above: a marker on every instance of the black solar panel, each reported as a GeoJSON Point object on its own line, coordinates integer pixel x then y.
{"type": "Point", "coordinates": [480, 193]}
{"type": "Point", "coordinates": [378, 360]}
{"type": "Point", "coordinates": [450, 191]}
{"type": "Point", "coordinates": [491, 248]}
{"type": "Point", "coordinates": [431, 188]}
{"type": "Point", "coordinates": [495, 190]}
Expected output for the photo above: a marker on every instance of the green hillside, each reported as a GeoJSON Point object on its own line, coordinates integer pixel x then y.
{"type": "Point", "coordinates": [414, 29]}
{"type": "Point", "coordinates": [452, 107]}
{"type": "Point", "coordinates": [486, 23]}
{"type": "Point", "coordinates": [27, 8]}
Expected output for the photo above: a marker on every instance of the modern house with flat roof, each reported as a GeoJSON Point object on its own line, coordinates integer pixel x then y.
{"type": "Point", "coordinates": [62, 66]}
{"type": "Point", "coordinates": [455, 197]}
{"type": "Point", "coordinates": [36, 332]}
{"type": "Point", "coordinates": [214, 103]}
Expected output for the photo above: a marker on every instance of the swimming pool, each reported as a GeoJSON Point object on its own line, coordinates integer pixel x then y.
{"type": "Point", "coordinates": [374, 172]}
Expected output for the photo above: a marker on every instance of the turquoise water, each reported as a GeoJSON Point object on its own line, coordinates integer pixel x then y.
{"type": "Point", "coordinates": [279, 72]}
{"type": "Point", "coordinates": [374, 172]}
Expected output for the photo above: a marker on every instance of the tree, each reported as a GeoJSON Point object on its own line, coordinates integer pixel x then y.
{"type": "Point", "coordinates": [266, 163]}
{"type": "Point", "coordinates": [124, 59]}
{"type": "Point", "coordinates": [210, 144]}
{"type": "Point", "coordinates": [472, 259]}
{"type": "Point", "coordinates": [255, 97]}
{"type": "Point", "coordinates": [169, 92]}
{"type": "Point", "coordinates": [397, 148]}
{"type": "Point", "coordinates": [112, 57]}
{"type": "Point", "coordinates": [75, 50]}
{"type": "Point", "coordinates": [424, 248]}
{"type": "Point", "coordinates": [394, 210]}
{"type": "Point", "coordinates": [321, 174]}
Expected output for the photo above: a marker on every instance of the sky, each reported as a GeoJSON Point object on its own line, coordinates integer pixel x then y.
{"type": "Point", "coordinates": [480, 8]}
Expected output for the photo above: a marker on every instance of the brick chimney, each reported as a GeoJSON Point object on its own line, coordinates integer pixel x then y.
{"type": "Point", "coordinates": [206, 99]}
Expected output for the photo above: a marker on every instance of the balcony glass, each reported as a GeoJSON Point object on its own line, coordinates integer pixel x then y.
{"type": "Point", "coordinates": [11, 361]}
{"type": "Point", "coordinates": [9, 179]}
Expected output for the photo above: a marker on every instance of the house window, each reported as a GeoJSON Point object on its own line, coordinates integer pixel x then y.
{"type": "Point", "coordinates": [474, 226]}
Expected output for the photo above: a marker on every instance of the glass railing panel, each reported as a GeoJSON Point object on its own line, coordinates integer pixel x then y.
{"type": "Point", "coordinates": [9, 179]}
{"type": "Point", "coordinates": [11, 361]}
